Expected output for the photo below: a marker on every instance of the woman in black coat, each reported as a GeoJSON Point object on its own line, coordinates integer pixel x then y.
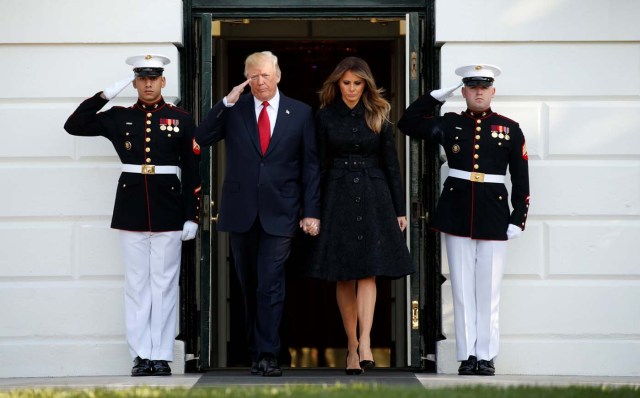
{"type": "Point", "coordinates": [363, 207]}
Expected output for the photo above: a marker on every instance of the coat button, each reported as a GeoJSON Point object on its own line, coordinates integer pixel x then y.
{"type": "Point", "coordinates": [148, 130]}
{"type": "Point", "coordinates": [356, 147]}
{"type": "Point", "coordinates": [476, 156]}
{"type": "Point", "coordinates": [499, 197]}
{"type": "Point", "coordinates": [357, 199]}
{"type": "Point", "coordinates": [354, 130]}
{"type": "Point", "coordinates": [147, 149]}
{"type": "Point", "coordinates": [360, 237]}
{"type": "Point", "coordinates": [477, 146]}
{"type": "Point", "coordinates": [359, 218]}
{"type": "Point", "coordinates": [356, 180]}
{"type": "Point", "coordinates": [148, 139]}
{"type": "Point", "coordinates": [477, 136]}
{"type": "Point", "coordinates": [476, 166]}
{"type": "Point", "coordinates": [148, 160]}
{"type": "Point", "coordinates": [478, 121]}
{"type": "Point", "coordinates": [149, 114]}
{"type": "Point", "coordinates": [478, 128]}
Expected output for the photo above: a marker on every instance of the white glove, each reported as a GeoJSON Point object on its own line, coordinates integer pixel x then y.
{"type": "Point", "coordinates": [189, 230]}
{"type": "Point", "coordinates": [113, 90]}
{"type": "Point", "coordinates": [444, 93]}
{"type": "Point", "coordinates": [513, 232]}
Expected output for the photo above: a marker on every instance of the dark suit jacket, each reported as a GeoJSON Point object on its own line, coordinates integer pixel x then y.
{"type": "Point", "coordinates": [280, 187]}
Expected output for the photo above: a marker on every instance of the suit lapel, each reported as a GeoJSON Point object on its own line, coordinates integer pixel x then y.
{"type": "Point", "coordinates": [282, 122]}
{"type": "Point", "coordinates": [251, 124]}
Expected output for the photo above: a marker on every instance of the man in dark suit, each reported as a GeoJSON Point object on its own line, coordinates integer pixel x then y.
{"type": "Point", "coordinates": [272, 180]}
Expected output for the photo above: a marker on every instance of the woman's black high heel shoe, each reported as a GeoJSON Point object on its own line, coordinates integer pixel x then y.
{"type": "Point", "coordinates": [367, 363]}
{"type": "Point", "coordinates": [354, 371]}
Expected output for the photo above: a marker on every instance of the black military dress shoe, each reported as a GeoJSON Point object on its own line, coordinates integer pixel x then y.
{"type": "Point", "coordinates": [160, 368]}
{"type": "Point", "coordinates": [269, 366]}
{"type": "Point", "coordinates": [255, 370]}
{"type": "Point", "coordinates": [141, 367]}
{"type": "Point", "coordinates": [486, 368]}
{"type": "Point", "coordinates": [468, 367]}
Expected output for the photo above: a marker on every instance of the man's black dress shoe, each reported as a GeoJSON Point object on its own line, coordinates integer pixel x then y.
{"type": "Point", "coordinates": [141, 367]}
{"type": "Point", "coordinates": [269, 366]}
{"type": "Point", "coordinates": [254, 368]}
{"type": "Point", "coordinates": [160, 368]}
{"type": "Point", "coordinates": [468, 367]}
{"type": "Point", "coordinates": [486, 368]}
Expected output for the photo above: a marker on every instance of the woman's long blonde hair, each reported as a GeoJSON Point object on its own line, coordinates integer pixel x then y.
{"type": "Point", "coordinates": [377, 108]}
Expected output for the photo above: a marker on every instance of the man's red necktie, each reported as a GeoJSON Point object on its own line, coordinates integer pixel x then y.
{"type": "Point", "coordinates": [264, 127]}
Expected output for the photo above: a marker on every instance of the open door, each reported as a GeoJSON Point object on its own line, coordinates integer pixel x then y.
{"type": "Point", "coordinates": [201, 63]}
{"type": "Point", "coordinates": [423, 186]}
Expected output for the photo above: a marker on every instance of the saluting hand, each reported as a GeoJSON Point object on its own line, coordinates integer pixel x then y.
{"type": "Point", "coordinates": [235, 92]}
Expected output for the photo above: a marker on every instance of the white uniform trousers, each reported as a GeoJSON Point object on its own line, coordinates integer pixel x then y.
{"type": "Point", "coordinates": [151, 272]}
{"type": "Point", "coordinates": [476, 268]}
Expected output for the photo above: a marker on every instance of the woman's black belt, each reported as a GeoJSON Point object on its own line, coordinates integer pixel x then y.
{"type": "Point", "coordinates": [354, 162]}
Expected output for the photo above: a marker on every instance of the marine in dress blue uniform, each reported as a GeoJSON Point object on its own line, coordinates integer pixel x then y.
{"type": "Point", "coordinates": [473, 210]}
{"type": "Point", "coordinates": [156, 205]}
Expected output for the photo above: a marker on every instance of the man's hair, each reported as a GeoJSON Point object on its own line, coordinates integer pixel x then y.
{"type": "Point", "coordinates": [259, 58]}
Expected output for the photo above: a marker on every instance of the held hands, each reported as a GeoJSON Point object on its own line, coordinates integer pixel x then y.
{"type": "Point", "coordinates": [189, 230]}
{"type": "Point", "coordinates": [513, 231]}
{"type": "Point", "coordinates": [113, 90]}
{"type": "Point", "coordinates": [235, 92]}
{"type": "Point", "coordinates": [444, 93]}
{"type": "Point", "coordinates": [402, 222]}
{"type": "Point", "coordinates": [310, 226]}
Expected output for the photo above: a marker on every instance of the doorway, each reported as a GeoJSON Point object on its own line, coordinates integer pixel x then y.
{"type": "Point", "coordinates": [308, 50]}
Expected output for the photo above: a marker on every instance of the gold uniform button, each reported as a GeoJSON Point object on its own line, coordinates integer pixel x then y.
{"type": "Point", "coordinates": [148, 121]}
{"type": "Point", "coordinates": [476, 166]}
{"type": "Point", "coordinates": [148, 139]}
{"type": "Point", "coordinates": [148, 130]}
{"type": "Point", "coordinates": [456, 137]}
{"type": "Point", "coordinates": [148, 160]}
{"type": "Point", "coordinates": [477, 146]}
{"type": "Point", "coordinates": [478, 128]}
{"type": "Point", "coordinates": [478, 137]}
{"type": "Point", "coordinates": [149, 114]}
{"type": "Point", "coordinates": [124, 185]}
{"type": "Point", "coordinates": [476, 156]}
{"type": "Point", "coordinates": [450, 189]}
{"type": "Point", "coordinates": [499, 197]}
{"type": "Point", "coordinates": [127, 133]}
{"type": "Point", "coordinates": [478, 121]}
{"type": "Point", "coordinates": [499, 143]}
{"type": "Point", "coordinates": [169, 135]}
{"type": "Point", "coordinates": [147, 149]}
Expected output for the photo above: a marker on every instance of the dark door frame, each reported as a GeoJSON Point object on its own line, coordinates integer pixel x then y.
{"type": "Point", "coordinates": [425, 164]}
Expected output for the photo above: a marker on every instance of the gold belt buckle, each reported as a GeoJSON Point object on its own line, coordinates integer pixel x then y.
{"type": "Point", "coordinates": [477, 177]}
{"type": "Point", "coordinates": [148, 169]}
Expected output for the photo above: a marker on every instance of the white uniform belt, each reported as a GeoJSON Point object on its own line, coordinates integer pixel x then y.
{"type": "Point", "coordinates": [476, 177]}
{"type": "Point", "coordinates": [150, 169]}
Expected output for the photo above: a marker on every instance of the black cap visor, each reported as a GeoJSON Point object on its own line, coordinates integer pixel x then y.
{"type": "Point", "coordinates": [478, 81]}
{"type": "Point", "coordinates": [148, 72]}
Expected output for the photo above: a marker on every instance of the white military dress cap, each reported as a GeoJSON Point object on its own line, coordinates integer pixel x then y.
{"type": "Point", "coordinates": [478, 74]}
{"type": "Point", "coordinates": [148, 64]}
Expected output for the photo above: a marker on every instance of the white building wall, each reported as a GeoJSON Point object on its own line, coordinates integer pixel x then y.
{"type": "Point", "coordinates": [571, 77]}
{"type": "Point", "coordinates": [61, 278]}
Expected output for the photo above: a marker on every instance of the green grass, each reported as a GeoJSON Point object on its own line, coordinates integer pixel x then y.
{"type": "Point", "coordinates": [334, 391]}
